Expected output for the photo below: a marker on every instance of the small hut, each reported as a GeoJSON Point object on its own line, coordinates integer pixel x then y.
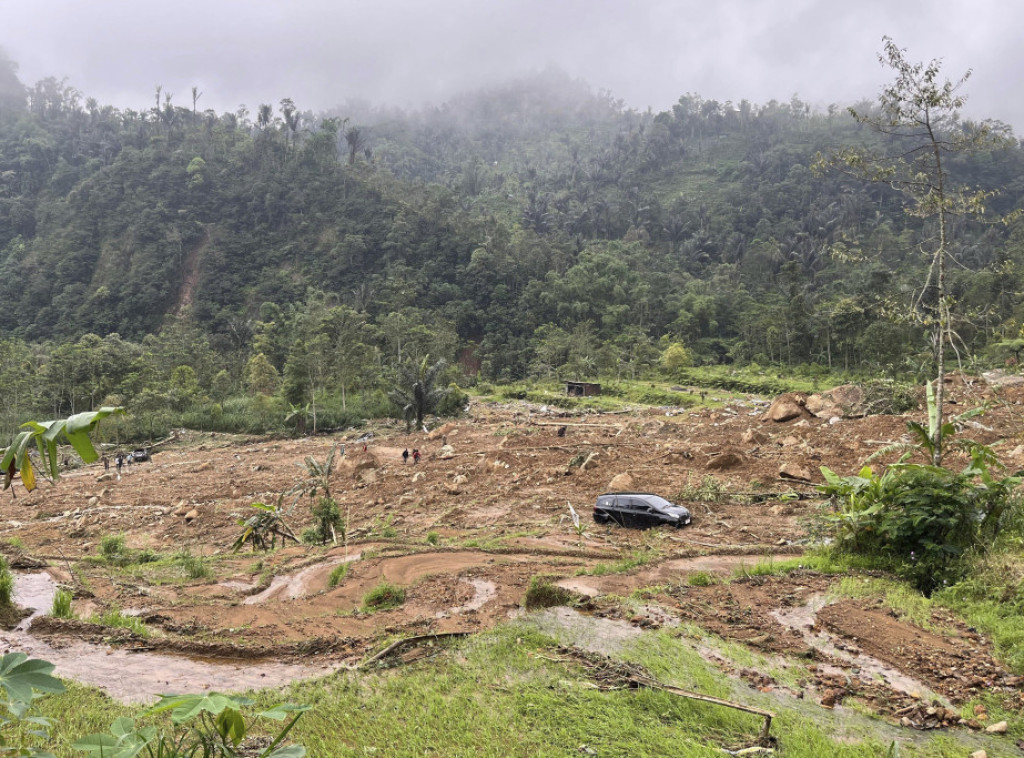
{"type": "Point", "coordinates": [582, 389]}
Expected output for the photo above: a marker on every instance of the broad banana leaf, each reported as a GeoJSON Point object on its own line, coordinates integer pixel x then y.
{"type": "Point", "coordinates": [45, 434]}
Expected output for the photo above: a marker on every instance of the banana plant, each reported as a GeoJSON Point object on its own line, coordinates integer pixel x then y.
{"type": "Point", "coordinates": [46, 435]}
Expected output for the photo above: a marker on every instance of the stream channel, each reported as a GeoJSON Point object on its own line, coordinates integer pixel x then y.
{"type": "Point", "coordinates": [137, 677]}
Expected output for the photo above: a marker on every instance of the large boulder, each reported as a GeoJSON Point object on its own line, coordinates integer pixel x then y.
{"type": "Point", "coordinates": [795, 472]}
{"type": "Point", "coordinates": [621, 483]}
{"type": "Point", "coordinates": [787, 407]}
{"type": "Point", "coordinates": [844, 401]}
{"type": "Point", "coordinates": [727, 459]}
{"type": "Point", "coordinates": [447, 452]}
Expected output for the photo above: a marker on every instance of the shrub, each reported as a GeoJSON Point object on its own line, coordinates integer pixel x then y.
{"type": "Point", "coordinates": [544, 593]}
{"type": "Point", "coordinates": [6, 583]}
{"type": "Point", "coordinates": [385, 595]}
{"type": "Point", "coordinates": [922, 521]}
{"type": "Point", "coordinates": [61, 607]}
{"type": "Point", "coordinates": [112, 548]}
{"type": "Point", "coordinates": [327, 520]}
{"type": "Point", "coordinates": [338, 574]}
{"type": "Point", "coordinates": [433, 538]}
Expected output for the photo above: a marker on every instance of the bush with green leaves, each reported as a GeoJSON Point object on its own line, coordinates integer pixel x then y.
{"type": "Point", "coordinates": [207, 725]}
{"type": "Point", "coordinates": [922, 521]}
{"type": "Point", "coordinates": [22, 681]}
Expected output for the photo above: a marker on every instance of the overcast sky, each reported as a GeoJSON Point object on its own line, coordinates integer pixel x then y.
{"type": "Point", "coordinates": [410, 52]}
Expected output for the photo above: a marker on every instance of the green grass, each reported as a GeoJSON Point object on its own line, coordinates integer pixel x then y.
{"type": "Point", "coordinates": [384, 596]}
{"type": "Point", "coordinates": [433, 538]}
{"type": "Point", "coordinates": [338, 574]}
{"type": "Point", "coordinates": [701, 579]}
{"type": "Point", "coordinates": [904, 600]}
{"type": "Point", "coordinates": [61, 607]}
{"type": "Point", "coordinates": [117, 620]}
{"type": "Point", "coordinates": [634, 560]}
{"type": "Point", "coordinates": [6, 583]}
{"type": "Point", "coordinates": [194, 566]}
{"type": "Point", "coordinates": [507, 692]}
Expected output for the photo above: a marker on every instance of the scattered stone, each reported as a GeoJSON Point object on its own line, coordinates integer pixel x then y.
{"type": "Point", "coordinates": [460, 479]}
{"type": "Point", "coordinates": [204, 466]}
{"type": "Point", "coordinates": [94, 501]}
{"type": "Point", "coordinates": [794, 471]}
{"type": "Point", "coordinates": [446, 453]}
{"type": "Point", "coordinates": [590, 463]}
{"type": "Point", "coordinates": [191, 516]}
{"type": "Point", "coordinates": [979, 754]}
{"type": "Point", "coordinates": [791, 441]}
{"type": "Point", "coordinates": [676, 459]}
{"type": "Point", "coordinates": [754, 437]}
{"type": "Point", "coordinates": [726, 460]}
{"type": "Point", "coordinates": [786, 408]}
{"type": "Point", "coordinates": [405, 499]}
{"type": "Point", "coordinates": [621, 483]}
{"type": "Point", "coordinates": [107, 476]}
{"type": "Point", "coordinates": [418, 476]}
{"type": "Point", "coordinates": [999, 727]}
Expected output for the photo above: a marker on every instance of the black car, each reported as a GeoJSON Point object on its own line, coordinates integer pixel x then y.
{"type": "Point", "coordinates": [640, 509]}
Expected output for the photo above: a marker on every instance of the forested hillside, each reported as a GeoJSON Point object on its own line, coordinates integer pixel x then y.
{"type": "Point", "coordinates": [172, 255]}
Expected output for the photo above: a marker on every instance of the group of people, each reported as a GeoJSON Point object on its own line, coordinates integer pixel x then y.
{"type": "Point", "coordinates": [415, 455]}
{"type": "Point", "coordinates": [119, 460]}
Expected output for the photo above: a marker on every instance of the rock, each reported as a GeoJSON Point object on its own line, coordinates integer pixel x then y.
{"type": "Point", "coordinates": [460, 479]}
{"type": "Point", "coordinates": [725, 460]}
{"type": "Point", "coordinates": [786, 408]}
{"type": "Point", "coordinates": [358, 467]}
{"type": "Point", "coordinates": [204, 466]}
{"type": "Point", "coordinates": [441, 431]}
{"type": "Point", "coordinates": [191, 516]}
{"type": "Point", "coordinates": [621, 483]}
{"type": "Point", "coordinates": [754, 437]}
{"type": "Point", "coordinates": [676, 459]}
{"type": "Point", "coordinates": [446, 453]}
{"type": "Point", "coordinates": [107, 476]}
{"type": "Point", "coordinates": [405, 500]}
{"type": "Point", "coordinates": [790, 441]}
{"type": "Point", "coordinates": [418, 476]}
{"type": "Point", "coordinates": [368, 476]}
{"type": "Point", "coordinates": [93, 501]}
{"type": "Point", "coordinates": [843, 401]}
{"type": "Point", "coordinates": [979, 754]}
{"type": "Point", "coordinates": [590, 463]}
{"type": "Point", "coordinates": [999, 727]}
{"type": "Point", "coordinates": [999, 378]}
{"type": "Point", "coordinates": [794, 471]}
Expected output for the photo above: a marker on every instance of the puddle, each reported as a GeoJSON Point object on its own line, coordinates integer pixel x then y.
{"type": "Point", "coordinates": [138, 677]}
{"type": "Point", "coordinates": [595, 635]}
{"type": "Point", "coordinates": [667, 572]}
{"type": "Point", "coordinates": [484, 590]}
{"type": "Point", "coordinates": [305, 582]}
{"type": "Point", "coordinates": [802, 619]}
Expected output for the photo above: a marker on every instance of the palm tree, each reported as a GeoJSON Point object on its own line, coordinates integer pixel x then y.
{"type": "Point", "coordinates": [414, 391]}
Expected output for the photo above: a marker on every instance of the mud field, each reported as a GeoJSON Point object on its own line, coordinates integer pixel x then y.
{"type": "Point", "coordinates": [465, 530]}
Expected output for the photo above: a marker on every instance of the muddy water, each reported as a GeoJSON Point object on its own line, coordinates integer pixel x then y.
{"type": "Point", "coordinates": [802, 619]}
{"type": "Point", "coordinates": [137, 677]}
{"type": "Point", "coordinates": [301, 583]}
{"type": "Point", "coordinates": [666, 572]}
{"type": "Point", "coordinates": [483, 591]}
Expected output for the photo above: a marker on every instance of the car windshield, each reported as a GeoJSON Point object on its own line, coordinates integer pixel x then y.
{"type": "Point", "coordinates": [658, 502]}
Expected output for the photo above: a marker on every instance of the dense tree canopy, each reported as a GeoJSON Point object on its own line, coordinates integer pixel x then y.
{"type": "Point", "coordinates": [532, 229]}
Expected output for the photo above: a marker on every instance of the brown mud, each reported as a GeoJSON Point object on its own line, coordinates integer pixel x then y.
{"type": "Point", "coordinates": [464, 534]}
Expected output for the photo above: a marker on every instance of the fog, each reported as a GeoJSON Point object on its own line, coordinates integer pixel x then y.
{"type": "Point", "coordinates": [321, 53]}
